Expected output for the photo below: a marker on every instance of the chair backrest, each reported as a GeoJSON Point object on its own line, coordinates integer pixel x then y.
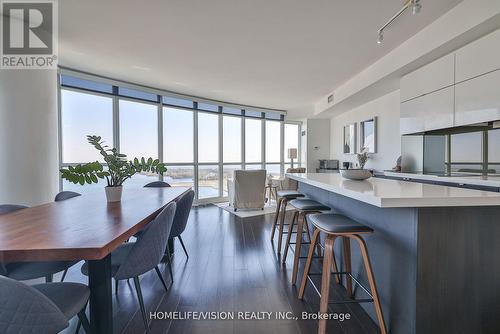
{"type": "Point", "coordinates": [4, 209]}
{"type": "Point", "coordinates": [8, 208]}
{"type": "Point", "coordinates": [289, 184]}
{"type": "Point", "coordinates": [149, 248]}
{"type": "Point", "coordinates": [182, 211]}
{"type": "Point", "coordinates": [64, 195]}
{"type": "Point", "coordinates": [157, 184]}
{"type": "Point", "coordinates": [25, 310]}
{"type": "Point", "coordinates": [249, 186]}
{"type": "Point", "coordinates": [296, 170]}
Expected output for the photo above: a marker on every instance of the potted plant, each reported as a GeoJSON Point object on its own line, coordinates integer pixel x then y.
{"type": "Point", "coordinates": [362, 157]}
{"type": "Point", "coordinates": [118, 169]}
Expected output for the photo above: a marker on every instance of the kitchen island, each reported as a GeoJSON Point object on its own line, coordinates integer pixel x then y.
{"type": "Point", "coordinates": [435, 250]}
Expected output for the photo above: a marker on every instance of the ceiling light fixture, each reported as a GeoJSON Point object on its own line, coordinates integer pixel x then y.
{"type": "Point", "coordinates": [380, 38]}
{"type": "Point", "coordinates": [415, 9]}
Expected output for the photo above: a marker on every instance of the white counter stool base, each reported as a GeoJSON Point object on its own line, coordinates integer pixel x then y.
{"type": "Point", "coordinates": [335, 225]}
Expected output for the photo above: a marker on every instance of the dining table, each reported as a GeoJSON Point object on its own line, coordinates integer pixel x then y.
{"type": "Point", "coordinates": [87, 228]}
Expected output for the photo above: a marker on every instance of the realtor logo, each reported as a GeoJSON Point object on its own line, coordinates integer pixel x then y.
{"type": "Point", "coordinates": [29, 34]}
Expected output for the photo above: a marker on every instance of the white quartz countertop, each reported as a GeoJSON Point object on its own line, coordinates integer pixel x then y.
{"type": "Point", "coordinates": [387, 193]}
{"type": "Point", "coordinates": [491, 181]}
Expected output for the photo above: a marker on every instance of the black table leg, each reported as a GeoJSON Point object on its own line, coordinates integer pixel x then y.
{"type": "Point", "coordinates": [101, 307]}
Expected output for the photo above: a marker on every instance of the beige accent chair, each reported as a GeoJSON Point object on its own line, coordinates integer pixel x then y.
{"type": "Point", "coordinates": [246, 189]}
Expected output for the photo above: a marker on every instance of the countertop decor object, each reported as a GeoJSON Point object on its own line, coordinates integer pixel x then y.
{"type": "Point", "coordinates": [119, 169]}
{"type": "Point", "coordinates": [356, 174]}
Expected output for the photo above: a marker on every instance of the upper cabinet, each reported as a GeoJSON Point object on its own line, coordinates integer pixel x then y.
{"type": "Point", "coordinates": [478, 100]}
{"type": "Point", "coordinates": [462, 88]}
{"type": "Point", "coordinates": [428, 112]}
{"type": "Point", "coordinates": [479, 57]}
{"type": "Point", "coordinates": [429, 78]}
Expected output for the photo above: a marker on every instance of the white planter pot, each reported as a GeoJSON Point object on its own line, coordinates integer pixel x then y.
{"type": "Point", "coordinates": [114, 194]}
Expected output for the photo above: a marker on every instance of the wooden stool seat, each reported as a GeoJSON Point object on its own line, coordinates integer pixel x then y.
{"type": "Point", "coordinates": [334, 226]}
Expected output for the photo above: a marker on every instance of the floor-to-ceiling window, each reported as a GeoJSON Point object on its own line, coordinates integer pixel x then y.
{"type": "Point", "coordinates": [83, 114]}
{"type": "Point", "coordinates": [208, 155]}
{"type": "Point", "coordinates": [292, 140]}
{"type": "Point", "coordinates": [232, 154]}
{"type": "Point", "coordinates": [178, 146]}
{"type": "Point", "coordinates": [138, 129]}
{"type": "Point", "coordinates": [253, 143]}
{"type": "Point", "coordinates": [273, 148]}
{"type": "Point", "coordinates": [200, 141]}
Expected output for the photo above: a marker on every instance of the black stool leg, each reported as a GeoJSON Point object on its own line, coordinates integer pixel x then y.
{"type": "Point", "coordinates": [371, 280]}
{"type": "Point", "coordinates": [307, 268]}
{"type": "Point", "coordinates": [276, 216]}
{"type": "Point", "coordinates": [289, 236]}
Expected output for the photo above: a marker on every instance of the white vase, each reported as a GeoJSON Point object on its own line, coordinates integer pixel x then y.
{"type": "Point", "coordinates": [114, 194]}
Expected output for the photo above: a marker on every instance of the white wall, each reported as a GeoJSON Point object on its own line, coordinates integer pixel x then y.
{"type": "Point", "coordinates": [386, 108]}
{"type": "Point", "coordinates": [318, 142]}
{"type": "Point", "coordinates": [28, 136]}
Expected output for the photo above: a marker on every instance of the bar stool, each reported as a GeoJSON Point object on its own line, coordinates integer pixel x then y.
{"type": "Point", "coordinates": [304, 207]}
{"type": "Point", "coordinates": [284, 196]}
{"type": "Point", "coordinates": [335, 225]}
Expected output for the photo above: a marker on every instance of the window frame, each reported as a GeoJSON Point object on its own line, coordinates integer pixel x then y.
{"type": "Point", "coordinates": [160, 107]}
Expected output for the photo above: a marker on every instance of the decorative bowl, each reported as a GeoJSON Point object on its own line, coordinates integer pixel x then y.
{"type": "Point", "coordinates": [356, 174]}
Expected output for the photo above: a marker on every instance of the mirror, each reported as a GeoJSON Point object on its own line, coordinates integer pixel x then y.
{"type": "Point", "coordinates": [368, 135]}
{"type": "Point", "coordinates": [350, 139]}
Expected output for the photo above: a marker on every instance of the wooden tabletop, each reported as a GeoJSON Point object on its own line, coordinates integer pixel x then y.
{"type": "Point", "coordinates": [85, 227]}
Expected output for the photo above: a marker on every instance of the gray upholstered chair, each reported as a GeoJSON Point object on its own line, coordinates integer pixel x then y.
{"type": "Point", "coordinates": [157, 184]}
{"type": "Point", "coordinates": [29, 270]}
{"type": "Point", "coordinates": [42, 308]}
{"type": "Point", "coordinates": [133, 259]}
{"type": "Point", "coordinates": [64, 195]}
{"type": "Point", "coordinates": [184, 205]}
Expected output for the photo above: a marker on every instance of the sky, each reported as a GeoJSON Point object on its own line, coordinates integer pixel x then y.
{"type": "Point", "coordinates": [84, 114]}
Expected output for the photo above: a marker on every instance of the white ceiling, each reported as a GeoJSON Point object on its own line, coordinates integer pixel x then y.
{"type": "Point", "coordinates": [282, 54]}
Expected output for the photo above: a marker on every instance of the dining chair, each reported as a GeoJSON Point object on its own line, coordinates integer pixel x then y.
{"type": "Point", "coordinates": [34, 269]}
{"type": "Point", "coordinates": [64, 195]}
{"type": "Point", "coordinates": [41, 308]}
{"type": "Point", "coordinates": [157, 184]}
{"type": "Point", "coordinates": [184, 205]}
{"type": "Point", "coordinates": [132, 259]}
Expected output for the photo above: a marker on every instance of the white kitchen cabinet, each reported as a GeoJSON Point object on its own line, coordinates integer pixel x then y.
{"type": "Point", "coordinates": [478, 99]}
{"type": "Point", "coordinates": [429, 112]}
{"type": "Point", "coordinates": [429, 78]}
{"type": "Point", "coordinates": [478, 57]}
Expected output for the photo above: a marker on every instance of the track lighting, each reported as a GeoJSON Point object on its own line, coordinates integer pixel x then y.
{"type": "Point", "coordinates": [415, 9]}
{"type": "Point", "coordinates": [380, 38]}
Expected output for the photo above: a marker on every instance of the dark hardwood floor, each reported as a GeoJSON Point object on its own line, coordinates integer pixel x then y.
{"type": "Point", "coordinates": [232, 267]}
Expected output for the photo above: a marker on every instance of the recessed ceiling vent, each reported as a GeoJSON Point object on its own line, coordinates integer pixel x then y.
{"type": "Point", "coordinates": [330, 98]}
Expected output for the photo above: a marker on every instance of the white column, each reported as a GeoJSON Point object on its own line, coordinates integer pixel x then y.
{"type": "Point", "coordinates": [28, 136]}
